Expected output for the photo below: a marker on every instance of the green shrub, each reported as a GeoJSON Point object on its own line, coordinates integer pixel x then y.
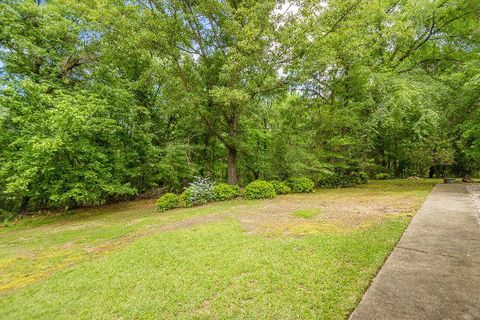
{"type": "Point", "coordinates": [382, 176]}
{"type": "Point", "coordinates": [260, 189]}
{"type": "Point", "coordinates": [301, 185]}
{"type": "Point", "coordinates": [223, 191]}
{"type": "Point", "coordinates": [201, 191]}
{"type": "Point", "coordinates": [359, 177]}
{"type": "Point", "coordinates": [185, 199]}
{"type": "Point", "coordinates": [167, 201]}
{"type": "Point", "coordinates": [7, 217]}
{"type": "Point", "coordinates": [280, 187]}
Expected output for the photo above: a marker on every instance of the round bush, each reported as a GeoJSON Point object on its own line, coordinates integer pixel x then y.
{"type": "Point", "coordinates": [223, 191]}
{"type": "Point", "coordinates": [280, 187]}
{"type": "Point", "coordinates": [201, 191]}
{"type": "Point", "coordinates": [185, 199]}
{"type": "Point", "coordinates": [260, 189]}
{"type": "Point", "coordinates": [301, 185]}
{"type": "Point", "coordinates": [167, 201]}
{"type": "Point", "coordinates": [382, 176]}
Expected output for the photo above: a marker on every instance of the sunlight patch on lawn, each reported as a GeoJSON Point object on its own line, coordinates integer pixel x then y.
{"type": "Point", "coordinates": [307, 214]}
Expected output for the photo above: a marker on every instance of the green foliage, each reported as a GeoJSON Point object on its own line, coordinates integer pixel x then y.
{"type": "Point", "coordinates": [341, 178]}
{"type": "Point", "coordinates": [185, 199]}
{"type": "Point", "coordinates": [301, 185]}
{"type": "Point", "coordinates": [6, 217]}
{"type": "Point", "coordinates": [201, 191]}
{"type": "Point", "coordinates": [259, 189]}
{"type": "Point", "coordinates": [65, 156]}
{"type": "Point", "coordinates": [337, 180]}
{"type": "Point", "coordinates": [280, 187]}
{"type": "Point", "coordinates": [167, 201]}
{"type": "Point", "coordinates": [173, 168]}
{"type": "Point", "coordinates": [225, 191]}
{"type": "Point", "coordinates": [382, 176]}
{"type": "Point", "coordinates": [359, 177]}
{"type": "Point", "coordinates": [91, 111]}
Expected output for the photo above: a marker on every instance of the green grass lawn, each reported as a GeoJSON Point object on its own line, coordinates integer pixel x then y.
{"type": "Point", "coordinates": [305, 256]}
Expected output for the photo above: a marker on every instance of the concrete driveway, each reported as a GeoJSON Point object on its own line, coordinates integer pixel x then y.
{"type": "Point", "coordinates": [434, 272]}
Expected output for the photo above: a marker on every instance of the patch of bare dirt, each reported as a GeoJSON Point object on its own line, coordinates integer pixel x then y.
{"type": "Point", "coordinates": [270, 214]}
{"type": "Point", "coordinates": [68, 245]}
{"type": "Point", "coordinates": [342, 212]}
{"type": "Point", "coordinates": [191, 222]}
{"type": "Point", "coordinates": [205, 307]}
{"type": "Point", "coordinates": [355, 213]}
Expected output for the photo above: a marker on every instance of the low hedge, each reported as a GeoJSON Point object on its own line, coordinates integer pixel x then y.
{"type": "Point", "coordinates": [343, 179]}
{"type": "Point", "coordinates": [260, 189]}
{"type": "Point", "coordinates": [301, 185]}
{"type": "Point", "coordinates": [382, 176]}
{"type": "Point", "coordinates": [223, 191]}
{"type": "Point", "coordinates": [167, 201]}
{"type": "Point", "coordinates": [185, 199]}
{"type": "Point", "coordinates": [359, 177]}
{"type": "Point", "coordinates": [280, 187]}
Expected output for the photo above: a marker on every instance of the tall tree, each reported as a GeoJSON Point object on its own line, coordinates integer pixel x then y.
{"type": "Point", "coordinates": [220, 54]}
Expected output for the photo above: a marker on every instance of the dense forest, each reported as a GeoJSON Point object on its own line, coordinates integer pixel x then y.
{"type": "Point", "coordinates": [104, 100]}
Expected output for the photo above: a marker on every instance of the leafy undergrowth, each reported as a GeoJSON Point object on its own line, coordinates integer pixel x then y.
{"type": "Point", "coordinates": [129, 261]}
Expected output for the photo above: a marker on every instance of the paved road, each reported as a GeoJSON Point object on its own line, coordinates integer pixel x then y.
{"type": "Point", "coordinates": [434, 272]}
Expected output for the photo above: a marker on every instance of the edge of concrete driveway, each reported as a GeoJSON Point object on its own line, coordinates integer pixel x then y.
{"type": "Point", "coordinates": [434, 271]}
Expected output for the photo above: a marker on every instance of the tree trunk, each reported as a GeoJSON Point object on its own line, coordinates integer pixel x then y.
{"type": "Point", "coordinates": [232, 151]}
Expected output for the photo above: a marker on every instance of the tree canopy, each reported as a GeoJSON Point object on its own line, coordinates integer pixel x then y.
{"type": "Point", "coordinates": [102, 100]}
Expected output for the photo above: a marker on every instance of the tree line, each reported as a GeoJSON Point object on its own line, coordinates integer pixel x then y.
{"type": "Point", "coordinates": [103, 100]}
